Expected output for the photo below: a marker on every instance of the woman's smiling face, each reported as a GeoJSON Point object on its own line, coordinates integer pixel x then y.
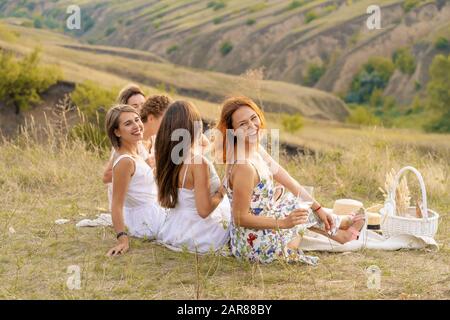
{"type": "Point", "coordinates": [131, 128]}
{"type": "Point", "coordinates": [136, 101]}
{"type": "Point", "coordinates": [246, 123]}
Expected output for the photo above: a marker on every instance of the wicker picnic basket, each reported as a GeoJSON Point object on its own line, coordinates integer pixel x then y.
{"type": "Point", "coordinates": [393, 224]}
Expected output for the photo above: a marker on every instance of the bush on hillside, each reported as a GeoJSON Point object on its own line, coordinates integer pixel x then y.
{"type": "Point", "coordinates": [362, 116]}
{"type": "Point", "coordinates": [314, 73]}
{"type": "Point", "coordinates": [295, 4]}
{"type": "Point", "coordinates": [375, 74]}
{"type": "Point", "coordinates": [92, 99]}
{"type": "Point", "coordinates": [376, 99]}
{"type": "Point", "coordinates": [172, 49]}
{"type": "Point", "coordinates": [226, 48]}
{"type": "Point", "coordinates": [292, 123]}
{"type": "Point", "coordinates": [216, 5]}
{"type": "Point", "coordinates": [330, 8]}
{"type": "Point", "coordinates": [110, 31]}
{"type": "Point", "coordinates": [442, 43]}
{"type": "Point", "coordinates": [404, 61]}
{"type": "Point", "coordinates": [93, 102]}
{"type": "Point", "coordinates": [23, 80]}
{"type": "Point", "coordinates": [217, 20]}
{"type": "Point", "coordinates": [37, 22]}
{"type": "Point", "coordinates": [310, 16]}
{"type": "Point", "coordinates": [438, 94]}
{"type": "Point", "coordinates": [408, 5]}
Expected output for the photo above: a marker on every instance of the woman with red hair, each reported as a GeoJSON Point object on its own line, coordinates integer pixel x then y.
{"type": "Point", "coordinates": [266, 227]}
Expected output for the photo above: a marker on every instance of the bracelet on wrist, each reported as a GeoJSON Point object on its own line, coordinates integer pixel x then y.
{"type": "Point", "coordinates": [120, 234]}
{"type": "Point", "coordinates": [317, 209]}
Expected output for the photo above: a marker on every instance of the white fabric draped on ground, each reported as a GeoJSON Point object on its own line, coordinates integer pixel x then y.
{"type": "Point", "coordinates": [368, 240]}
{"type": "Point", "coordinates": [315, 242]}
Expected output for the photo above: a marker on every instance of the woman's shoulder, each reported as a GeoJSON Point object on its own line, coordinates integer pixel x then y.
{"type": "Point", "coordinates": [125, 160]}
{"type": "Point", "coordinates": [199, 160]}
{"type": "Point", "coordinates": [245, 169]}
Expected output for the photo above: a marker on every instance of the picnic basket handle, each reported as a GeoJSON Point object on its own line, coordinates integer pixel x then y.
{"type": "Point", "coordinates": [394, 186]}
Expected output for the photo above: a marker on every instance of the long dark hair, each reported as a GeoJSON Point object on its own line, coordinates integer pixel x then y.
{"type": "Point", "coordinates": [179, 115]}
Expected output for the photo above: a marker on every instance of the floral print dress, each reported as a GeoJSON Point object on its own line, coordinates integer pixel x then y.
{"type": "Point", "coordinates": [267, 245]}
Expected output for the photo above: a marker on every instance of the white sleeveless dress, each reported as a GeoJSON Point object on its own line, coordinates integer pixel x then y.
{"type": "Point", "coordinates": [185, 229]}
{"type": "Point", "coordinates": [142, 214]}
{"type": "Point", "coordinates": [143, 153]}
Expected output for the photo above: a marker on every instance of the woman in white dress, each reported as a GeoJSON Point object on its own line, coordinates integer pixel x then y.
{"type": "Point", "coordinates": [133, 96]}
{"type": "Point", "coordinates": [198, 212]}
{"type": "Point", "coordinates": [151, 112]}
{"type": "Point", "coordinates": [134, 201]}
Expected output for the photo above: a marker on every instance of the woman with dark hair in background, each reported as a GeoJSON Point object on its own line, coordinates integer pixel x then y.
{"type": "Point", "coordinates": [131, 95]}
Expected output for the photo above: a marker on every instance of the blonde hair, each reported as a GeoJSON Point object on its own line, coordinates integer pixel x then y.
{"type": "Point", "coordinates": [112, 122]}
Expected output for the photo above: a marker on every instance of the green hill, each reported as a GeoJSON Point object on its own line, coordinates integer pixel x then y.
{"type": "Point", "coordinates": [110, 66]}
{"type": "Point", "coordinates": [317, 43]}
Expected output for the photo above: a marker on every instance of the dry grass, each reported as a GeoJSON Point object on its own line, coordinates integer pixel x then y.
{"type": "Point", "coordinates": [45, 179]}
{"type": "Point", "coordinates": [54, 178]}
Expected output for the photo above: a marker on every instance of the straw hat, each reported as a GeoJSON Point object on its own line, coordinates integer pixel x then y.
{"type": "Point", "coordinates": [346, 206]}
{"type": "Point", "coordinates": [373, 220]}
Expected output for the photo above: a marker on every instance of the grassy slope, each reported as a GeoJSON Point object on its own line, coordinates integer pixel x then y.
{"type": "Point", "coordinates": [280, 40]}
{"type": "Point", "coordinates": [41, 184]}
{"type": "Point", "coordinates": [204, 85]}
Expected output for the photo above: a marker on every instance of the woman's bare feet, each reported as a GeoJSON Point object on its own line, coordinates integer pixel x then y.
{"type": "Point", "coordinates": [346, 222]}
{"type": "Point", "coordinates": [343, 236]}
{"type": "Point", "coordinates": [351, 233]}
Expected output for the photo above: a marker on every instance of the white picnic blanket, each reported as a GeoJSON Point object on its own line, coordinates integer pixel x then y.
{"type": "Point", "coordinates": [315, 242]}
{"type": "Point", "coordinates": [368, 240]}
